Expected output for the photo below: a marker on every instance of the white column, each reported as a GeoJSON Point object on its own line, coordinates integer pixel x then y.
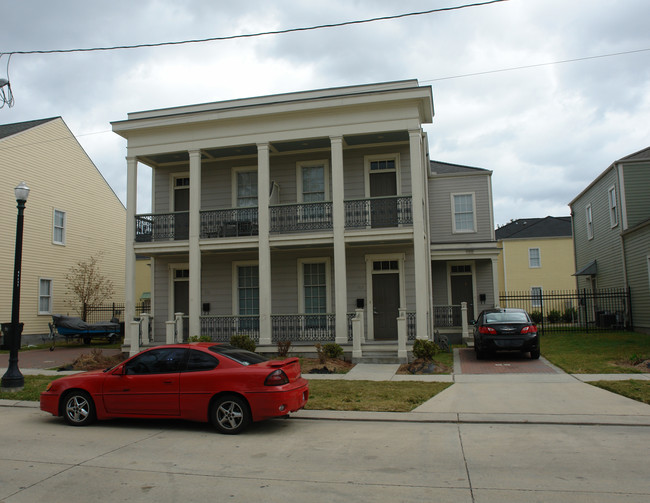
{"type": "Point", "coordinates": [338, 218]}
{"type": "Point", "coordinates": [129, 266]}
{"type": "Point", "coordinates": [195, 251]}
{"type": "Point", "coordinates": [264, 253]}
{"type": "Point", "coordinates": [421, 248]}
{"type": "Point", "coordinates": [495, 282]}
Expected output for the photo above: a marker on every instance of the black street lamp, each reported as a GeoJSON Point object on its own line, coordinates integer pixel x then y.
{"type": "Point", "coordinates": [13, 380]}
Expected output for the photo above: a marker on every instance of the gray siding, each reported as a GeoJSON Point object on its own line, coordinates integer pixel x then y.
{"type": "Point", "coordinates": [637, 251]}
{"type": "Point", "coordinates": [637, 188]}
{"type": "Point", "coordinates": [484, 285]}
{"type": "Point", "coordinates": [440, 210]}
{"type": "Point", "coordinates": [605, 247]}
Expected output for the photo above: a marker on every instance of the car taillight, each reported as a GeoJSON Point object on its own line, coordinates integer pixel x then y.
{"type": "Point", "coordinates": [486, 330]}
{"type": "Point", "coordinates": [529, 329]}
{"type": "Point", "coordinates": [276, 378]}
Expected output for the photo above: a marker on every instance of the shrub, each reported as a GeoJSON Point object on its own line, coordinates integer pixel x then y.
{"type": "Point", "coordinates": [570, 315]}
{"type": "Point", "coordinates": [283, 348]}
{"type": "Point", "coordinates": [243, 342]}
{"type": "Point", "coordinates": [332, 350]}
{"type": "Point", "coordinates": [202, 338]}
{"type": "Point", "coordinates": [536, 316]}
{"type": "Point", "coordinates": [322, 358]}
{"type": "Point", "coordinates": [554, 316]}
{"type": "Point", "coordinates": [425, 349]}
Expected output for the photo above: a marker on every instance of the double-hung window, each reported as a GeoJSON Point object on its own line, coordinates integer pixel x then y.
{"type": "Point", "coordinates": [613, 214]}
{"type": "Point", "coordinates": [590, 222]}
{"type": "Point", "coordinates": [246, 188]}
{"type": "Point", "coordinates": [313, 190]}
{"type": "Point", "coordinates": [534, 258]}
{"type": "Point", "coordinates": [313, 276]}
{"type": "Point", "coordinates": [248, 296]}
{"type": "Point", "coordinates": [536, 296]}
{"type": "Point", "coordinates": [464, 214]}
{"type": "Point", "coordinates": [58, 228]}
{"type": "Point", "coordinates": [44, 296]}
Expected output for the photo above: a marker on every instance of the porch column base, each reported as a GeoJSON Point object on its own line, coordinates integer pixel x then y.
{"type": "Point", "coordinates": [134, 332]}
{"type": "Point", "coordinates": [469, 341]}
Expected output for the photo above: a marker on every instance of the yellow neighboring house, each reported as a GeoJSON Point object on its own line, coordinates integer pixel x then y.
{"type": "Point", "coordinates": [71, 214]}
{"type": "Point", "coordinates": [536, 255]}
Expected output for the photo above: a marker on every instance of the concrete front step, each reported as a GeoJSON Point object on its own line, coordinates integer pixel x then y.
{"type": "Point", "coordinates": [388, 356]}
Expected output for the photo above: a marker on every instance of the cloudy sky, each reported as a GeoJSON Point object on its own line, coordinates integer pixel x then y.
{"type": "Point", "coordinates": [545, 131]}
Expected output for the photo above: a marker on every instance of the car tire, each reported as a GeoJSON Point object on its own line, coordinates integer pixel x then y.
{"type": "Point", "coordinates": [534, 354]}
{"type": "Point", "coordinates": [230, 414]}
{"type": "Point", "coordinates": [78, 408]}
{"type": "Point", "coordinates": [480, 354]}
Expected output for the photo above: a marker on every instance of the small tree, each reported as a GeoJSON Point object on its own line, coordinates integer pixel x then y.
{"type": "Point", "coordinates": [87, 285]}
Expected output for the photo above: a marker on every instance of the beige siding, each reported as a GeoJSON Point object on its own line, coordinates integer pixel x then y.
{"type": "Point", "coordinates": [62, 177]}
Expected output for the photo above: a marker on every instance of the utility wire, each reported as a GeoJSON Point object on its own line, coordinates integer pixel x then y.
{"type": "Point", "coordinates": [260, 34]}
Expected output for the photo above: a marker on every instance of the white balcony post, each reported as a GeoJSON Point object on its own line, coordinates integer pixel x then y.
{"type": "Point", "coordinates": [178, 319]}
{"type": "Point", "coordinates": [129, 266]}
{"type": "Point", "coordinates": [338, 224]}
{"type": "Point", "coordinates": [170, 332]}
{"type": "Point", "coordinates": [134, 332]}
{"type": "Point", "coordinates": [194, 250]}
{"type": "Point", "coordinates": [402, 331]}
{"type": "Point", "coordinates": [264, 247]}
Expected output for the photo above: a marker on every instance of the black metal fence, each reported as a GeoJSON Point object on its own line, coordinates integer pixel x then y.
{"type": "Point", "coordinates": [574, 310]}
{"type": "Point", "coordinates": [106, 312]}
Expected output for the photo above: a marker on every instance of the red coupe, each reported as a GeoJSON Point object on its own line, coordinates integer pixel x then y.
{"type": "Point", "coordinates": [222, 384]}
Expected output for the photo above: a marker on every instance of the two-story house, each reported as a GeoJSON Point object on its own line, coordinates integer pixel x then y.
{"type": "Point", "coordinates": [300, 217]}
{"type": "Point", "coordinates": [611, 229]}
{"type": "Point", "coordinates": [536, 256]}
{"type": "Point", "coordinates": [70, 215]}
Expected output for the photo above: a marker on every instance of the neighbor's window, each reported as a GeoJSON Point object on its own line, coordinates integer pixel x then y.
{"type": "Point", "coordinates": [534, 258]}
{"type": "Point", "coordinates": [45, 296]}
{"type": "Point", "coordinates": [613, 215]}
{"type": "Point", "coordinates": [590, 223]}
{"type": "Point", "coordinates": [536, 296]}
{"type": "Point", "coordinates": [463, 210]}
{"type": "Point", "coordinates": [58, 230]}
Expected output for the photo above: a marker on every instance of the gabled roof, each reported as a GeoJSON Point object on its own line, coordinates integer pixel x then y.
{"type": "Point", "coordinates": [12, 129]}
{"type": "Point", "coordinates": [547, 227]}
{"type": "Point", "coordinates": [641, 155]}
{"type": "Point", "coordinates": [445, 168]}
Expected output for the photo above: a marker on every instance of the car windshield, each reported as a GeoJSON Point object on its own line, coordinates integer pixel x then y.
{"type": "Point", "coordinates": [237, 354]}
{"type": "Point", "coordinates": [516, 317]}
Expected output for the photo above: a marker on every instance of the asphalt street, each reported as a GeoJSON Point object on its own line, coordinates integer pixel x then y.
{"type": "Point", "coordinates": [298, 460]}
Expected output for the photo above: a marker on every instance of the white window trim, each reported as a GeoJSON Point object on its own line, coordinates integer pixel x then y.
{"type": "Point", "coordinates": [472, 272]}
{"type": "Point", "coordinates": [172, 268]}
{"type": "Point", "coordinates": [539, 255]}
{"type": "Point", "coordinates": [590, 222]}
{"type": "Point", "coordinates": [326, 175]}
{"type": "Point", "coordinates": [382, 157]}
{"type": "Point", "coordinates": [65, 225]}
{"type": "Point", "coordinates": [233, 177]}
{"type": "Point", "coordinates": [370, 259]}
{"type": "Point", "coordinates": [235, 282]}
{"type": "Point", "coordinates": [612, 204]}
{"type": "Point", "coordinates": [533, 302]}
{"type": "Point", "coordinates": [453, 213]}
{"type": "Point", "coordinates": [328, 281]}
{"type": "Point", "coordinates": [51, 296]}
{"type": "Point", "coordinates": [172, 186]}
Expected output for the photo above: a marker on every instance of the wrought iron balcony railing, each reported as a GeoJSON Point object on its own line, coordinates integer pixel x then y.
{"type": "Point", "coordinates": [222, 328]}
{"type": "Point", "coordinates": [301, 217]}
{"type": "Point", "coordinates": [391, 211]}
{"type": "Point", "coordinates": [303, 327]}
{"type": "Point", "coordinates": [162, 227]}
{"type": "Point", "coordinates": [234, 222]}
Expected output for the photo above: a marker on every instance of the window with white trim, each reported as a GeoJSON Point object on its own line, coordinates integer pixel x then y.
{"type": "Point", "coordinates": [464, 215]}
{"type": "Point", "coordinates": [58, 227]}
{"type": "Point", "coordinates": [613, 213]}
{"type": "Point", "coordinates": [313, 178]}
{"type": "Point", "coordinates": [534, 258]}
{"type": "Point", "coordinates": [536, 296]}
{"type": "Point", "coordinates": [245, 187]}
{"type": "Point", "coordinates": [44, 296]}
{"type": "Point", "coordinates": [590, 222]}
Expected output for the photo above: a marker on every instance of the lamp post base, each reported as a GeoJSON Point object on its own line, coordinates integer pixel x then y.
{"type": "Point", "coordinates": [12, 384]}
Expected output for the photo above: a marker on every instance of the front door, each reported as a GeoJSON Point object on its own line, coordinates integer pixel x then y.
{"type": "Point", "coordinates": [182, 205]}
{"type": "Point", "coordinates": [385, 298]}
{"type": "Point", "coordinates": [182, 298]}
{"type": "Point", "coordinates": [463, 291]}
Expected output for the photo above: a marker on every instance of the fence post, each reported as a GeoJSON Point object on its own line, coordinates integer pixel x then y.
{"type": "Point", "coordinates": [541, 308]}
{"type": "Point", "coordinates": [357, 334]}
{"type": "Point", "coordinates": [464, 324]}
{"type": "Point", "coordinates": [144, 320]}
{"type": "Point", "coordinates": [401, 336]}
{"type": "Point", "coordinates": [179, 327]}
{"type": "Point", "coordinates": [170, 332]}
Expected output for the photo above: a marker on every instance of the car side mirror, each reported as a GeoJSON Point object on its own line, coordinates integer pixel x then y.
{"type": "Point", "coordinates": [118, 371]}
{"type": "Point", "coordinates": [472, 322]}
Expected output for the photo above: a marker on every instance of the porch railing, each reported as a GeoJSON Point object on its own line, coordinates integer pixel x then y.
{"type": "Point", "coordinates": [446, 316]}
{"type": "Point", "coordinates": [222, 328]}
{"type": "Point", "coordinates": [301, 217]}
{"type": "Point", "coordinates": [391, 211]}
{"type": "Point", "coordinates": [303, 327]}
{"type": "Point", "coordinates": [233, 222]}
{"type": "Point", "coordinates": [162, 226]}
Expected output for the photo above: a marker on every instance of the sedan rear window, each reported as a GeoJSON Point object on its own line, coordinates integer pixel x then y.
{"type": "Point", "coordinates": [239, 355]}
{"type": "Point", "coordinates": [506, 318]}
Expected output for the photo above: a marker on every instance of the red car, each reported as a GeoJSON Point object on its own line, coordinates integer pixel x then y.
{"type": "Point", "coordinates": [205, 382]}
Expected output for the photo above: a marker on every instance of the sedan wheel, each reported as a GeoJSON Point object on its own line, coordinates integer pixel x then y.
{"type": "Point", "coordinates": [79, 409]}
{"type": "Point", "coordinates": [230, 414]}
{"type": "Point", "coordinates": [534, 354]}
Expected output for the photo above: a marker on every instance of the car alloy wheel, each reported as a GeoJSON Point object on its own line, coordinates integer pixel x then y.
{"type": "Point", "coordinates": [230, 414]}
{"type": "Point", "coordinates": [79, 409]}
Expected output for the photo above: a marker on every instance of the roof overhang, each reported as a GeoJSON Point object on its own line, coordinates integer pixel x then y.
{"type": "Point", "coordinates": [589, 270]}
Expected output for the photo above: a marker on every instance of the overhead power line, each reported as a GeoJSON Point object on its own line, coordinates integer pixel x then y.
{"type": "Point", "coordinates": [260, 34]}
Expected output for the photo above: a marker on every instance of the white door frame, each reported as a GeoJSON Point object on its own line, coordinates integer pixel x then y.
{"type": "Point", "coordinates": [370, 259]}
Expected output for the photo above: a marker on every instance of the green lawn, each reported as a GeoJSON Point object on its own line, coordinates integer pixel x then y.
{"type": "Point", "coordinates": [637, 390]}
{"type": "Point", "coordinates": [32, 391]}
{"type": "Point", "coordinates": [596, 353]}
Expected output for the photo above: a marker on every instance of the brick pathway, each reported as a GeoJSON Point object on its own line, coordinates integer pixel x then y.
{"type": "Point", "coordinates": [502, 363]}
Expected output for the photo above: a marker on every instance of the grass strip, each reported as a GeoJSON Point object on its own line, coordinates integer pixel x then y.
{"type": "Point", "coordinates": [34, 384]}
{"type": "Point", "coordinates": [636, 390]}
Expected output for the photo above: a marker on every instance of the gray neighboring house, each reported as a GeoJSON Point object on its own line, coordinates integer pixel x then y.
{"type": "Point", "coordinates": [611, 230]}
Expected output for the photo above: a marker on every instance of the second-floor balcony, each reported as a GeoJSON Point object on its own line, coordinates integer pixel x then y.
{"type": "Point", "coordinates": [371, 213]}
